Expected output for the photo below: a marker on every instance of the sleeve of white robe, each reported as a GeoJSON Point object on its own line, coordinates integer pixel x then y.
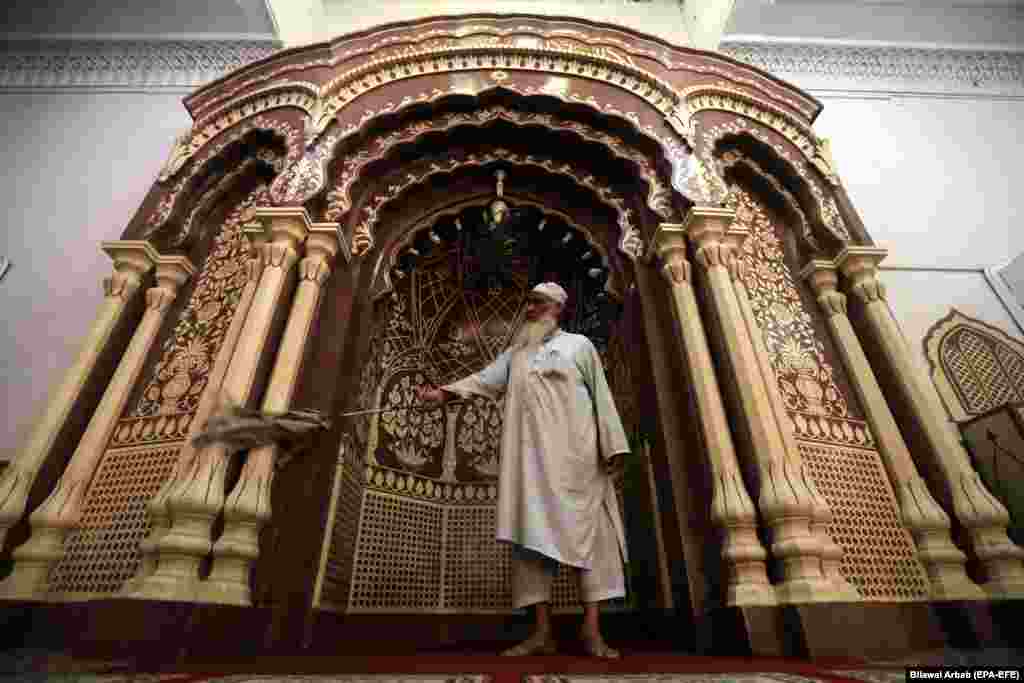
{"type": "Point", "coordinates": [610, 432]}
{"type": "Point", "coordinates": [489, 382]}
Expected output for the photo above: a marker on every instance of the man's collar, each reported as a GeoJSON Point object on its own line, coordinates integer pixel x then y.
{"type": "Point", "coordinates": [551, 335]}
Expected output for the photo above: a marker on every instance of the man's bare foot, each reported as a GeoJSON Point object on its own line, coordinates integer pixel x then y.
{"type": "Point", "coordinates": [595, 646]}
{"type": "Point", "coordinates": [540, 643]}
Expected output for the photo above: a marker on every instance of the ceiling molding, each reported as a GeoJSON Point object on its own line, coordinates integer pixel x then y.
{"type": "Point", "coordinates": [132, 63]}
{"type": "Point", "coordinates": [175, 62]}
{"type": "Point", "coordinates": [885, 68]}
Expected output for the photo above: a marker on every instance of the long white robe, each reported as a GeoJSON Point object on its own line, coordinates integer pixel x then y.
{"type": "Point", "coordinates": [560, 425]}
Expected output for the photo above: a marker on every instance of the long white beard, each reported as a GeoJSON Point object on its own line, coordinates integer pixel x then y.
{"type": "Point", "coordinates": [532, 332]}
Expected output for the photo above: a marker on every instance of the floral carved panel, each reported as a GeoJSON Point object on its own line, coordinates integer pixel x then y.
{"type": "Point", "coordinates": [179, 377]}
{"type": "Point", "coordinates": [806, 378]}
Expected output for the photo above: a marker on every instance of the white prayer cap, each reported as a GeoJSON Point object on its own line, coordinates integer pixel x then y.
{"type": "Point", "coordinates": [553, 291]}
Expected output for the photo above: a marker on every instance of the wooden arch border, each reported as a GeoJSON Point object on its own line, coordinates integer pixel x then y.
{"type": "Point", "coordinates": [630, 241]}
{"type": "Point", "coordinates": [639, 65]}
{"type": "Point", "coordinates": [388, 256]}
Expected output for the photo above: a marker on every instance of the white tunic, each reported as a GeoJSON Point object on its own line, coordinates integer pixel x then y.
{"type": "Point", "coordinates": [560, 424]}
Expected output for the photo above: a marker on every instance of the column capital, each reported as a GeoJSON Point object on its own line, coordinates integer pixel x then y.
{"type": "Point", "coordinates": [706, 224]}
{"type": "Point", "coordinates": [330, 231]}
{"type": "Point", "coordinates": [257, 237]}
{"type": "Point", "coordinates": [287, 224]}
{"type": "Point", "coordinates": [821, 275]}
{"type": "Point", "coordinates": [135, 257]}
{"type": "Point", "coordinates": [173, 271]}
{"type": "Point", "coordinates": [858, 262]}
{"type": "Point", "coordinates": [668, 237]}
{"type": "Point", "coordinates": [325, 241]}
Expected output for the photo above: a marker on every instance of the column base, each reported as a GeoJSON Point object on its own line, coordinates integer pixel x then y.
{"type": "Point", "coordinates": [28, 582]}
{"type": "Point", "coordinates": [996, 589]}
{"type": "Point", "coordinates": [33, 561]}
{"type": "Point", "coordinates": [157, 586]}
{"type": "Point", "coordinates": [962, 589]}
{"type": "Point", "coordinates": [224, 593]}
{"type": "Point", "coordinates": [751, 595]}
{"type": "Point", "coordinates": [799, 591]}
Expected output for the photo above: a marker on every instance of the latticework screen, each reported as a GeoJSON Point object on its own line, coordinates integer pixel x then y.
{"type": "Point", "coordinates": [879, 557]}
{"type": "Point", "coordinates": [104, 552]}
{"type": "Point", "coordinates": [340, 552]}
{"type": "Point", "coordinates": [398, 555]}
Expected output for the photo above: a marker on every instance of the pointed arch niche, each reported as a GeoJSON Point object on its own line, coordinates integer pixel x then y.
{"type": "Point", "coordinates": [976, 367]}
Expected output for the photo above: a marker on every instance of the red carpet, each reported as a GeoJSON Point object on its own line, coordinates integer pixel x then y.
{"type": "Point", "coordinates": [475, 668]}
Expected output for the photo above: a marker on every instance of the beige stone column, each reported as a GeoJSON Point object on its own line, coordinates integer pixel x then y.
{"type": "Point", "coordinates": [248, 507]}
{"type": "Point", "coordinates": [784, 499]}
{"type": "Point", "coordinates": [132, 260]}
{"type": "Point", "coordinates": [832, 553]}
{"type": "Point", "coordinates": [159, 514]}
{"type": "Point", "coordinates": [196, 502]}
{"type": "Point", "coordinates": [732, 510]}
{"type": "Point", "coordinates": [980, 513]}
{"type": "Point", "coordinates": [61, 512]}
{"type": "Point", "coordinates": [921, 515]}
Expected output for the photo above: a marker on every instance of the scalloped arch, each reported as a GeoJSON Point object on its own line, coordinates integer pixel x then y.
{"type": "Point", "coordinates": [389, 253]}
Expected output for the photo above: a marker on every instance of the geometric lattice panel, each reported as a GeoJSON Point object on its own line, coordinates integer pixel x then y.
{"type": "Point", "coordinates": [104, 551]}
{"type": "Point", "coordinates": [341, 546]}
{"type": "Point", "coordinates": [879, 557]}
{"type": "Point", "coordinates": [398, 555]}
{"type": "Point", "coordinates": [477, 569]}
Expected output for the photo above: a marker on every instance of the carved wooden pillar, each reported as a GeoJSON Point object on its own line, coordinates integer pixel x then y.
{"type": "Point", "coordinates": [132, 260]}
{"type": "Point", "coordinates": [61, 512]}
{"type": "Point", "coordinates": [732, 510]}
{"type": "Point", "coordinates": [832, 553]}
{"type": "Point", "coordinates": [984, 517]}
{"type": "Point", "coordinates": [248, 509]}
{"type": "Point", "coordinates": [195, 504]}
{"type": "Point", "coordinates": [921, 515]}
{"type": "Point", "coordinates": [159, 514]}
{"type": "Point", "coordinates": [786, 502]}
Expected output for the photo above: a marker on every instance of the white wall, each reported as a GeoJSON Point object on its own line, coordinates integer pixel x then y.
{"type": "Point", "coordinates": [78, 166]}
{"type": "Point", "coordinates": [662, 18]}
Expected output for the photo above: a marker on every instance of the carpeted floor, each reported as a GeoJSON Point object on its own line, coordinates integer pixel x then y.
{"type": "Point", "coordinates": [32, 666]}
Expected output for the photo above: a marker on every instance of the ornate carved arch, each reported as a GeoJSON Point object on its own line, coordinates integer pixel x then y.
{"type": "Point", "coordinates": [198, 170]}
{"type": "Point", "coordinates": [975, 367]}
{"type": "Point", "coordinates": [290, 187]}
{"type": "Point", "coordinates": [381, 283]}
{"type": "Point", "coordinates": [630, 241]}
{"type": "Point", "coordinates": [792, 180]}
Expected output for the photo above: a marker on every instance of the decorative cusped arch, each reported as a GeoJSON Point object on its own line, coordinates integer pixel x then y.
{"type": "Point", "coordinates": [387, 257]}
{"type": "Point", "coordinates": [975, 367]}
{"type": "Point", "coordinates": [344, 89]}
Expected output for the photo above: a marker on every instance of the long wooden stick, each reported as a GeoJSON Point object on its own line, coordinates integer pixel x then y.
{"type": "Point", "coordinates": [395, 410]}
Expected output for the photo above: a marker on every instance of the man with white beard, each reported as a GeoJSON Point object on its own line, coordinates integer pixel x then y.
{"type": "Point", "coordinates": [562, 446]}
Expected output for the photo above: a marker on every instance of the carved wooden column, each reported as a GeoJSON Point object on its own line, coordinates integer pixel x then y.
{"type": "Point", "coordinates": [732, 510]}
{"type": "Point", "coordinates": [832, 553]}
{"type": "Point", "coordinates": [61, 512]}
{"type": "Point", "coordinates": [921, 515]}
{"type": "Point", "coordinates": [248, 509]}
{"type": "Point", "coordinates": [159, 514]}
{"type": "Point", "coordinates": [984, 517]}
{"type": "Point", "coordinates": [195, 504]}
{"type": "Point", "coordinates": [132, 260]}
{"type": "Point", "coordinates": [784, 499]}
